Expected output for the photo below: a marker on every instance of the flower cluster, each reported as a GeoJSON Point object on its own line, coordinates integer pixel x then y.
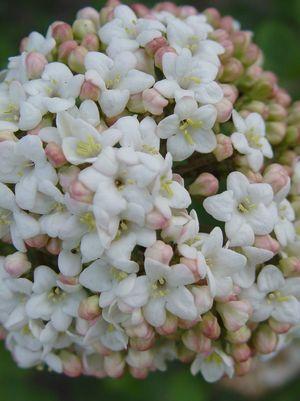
{"type": "Point", "coordinates": [116, 134]}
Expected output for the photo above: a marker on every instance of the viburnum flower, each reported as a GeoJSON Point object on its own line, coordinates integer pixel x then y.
{"type": "Point", "coordinates": [247, 209]}
{"type": "Point", "coordinates": [149, 196]}
{"type": "Point", "coordinates": [250, 139]}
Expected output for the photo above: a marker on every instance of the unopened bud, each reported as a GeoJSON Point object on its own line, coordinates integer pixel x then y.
{"type": "Point", "coordinates": [292, 137]}
{"type": "Point", "coordinates": [276, 176]}
{"type": "Point", "coordinates": [290, 266]}
{"type": "Point", "coordinates": [160, 251]}
{"type": "Point", "coordinates": [156, 220]}
{"type": "Point", "coordinates": [167, 6]}
{"type": "Point", "coordinates": [91, 42]}
{"type": "Point", "coordinates": [288, 157]}
{"type": "Point", "coordinates": [265, 339]}
{"type": "Point", "coordinates": [55, 154]}
{"type": "Point", "coordinates": [17, 264]}
{"type": "Point", "coordinates": [187, 11]}
{"type": "Point", "coordinates": [39, 241]}
{"type": "Point", "coordinates": [233, 70]}
{"type": "Point", "coordinates": [235, 314]}
{"type": "Point", "coordinates": [251, 55]}
{"type": "Point", "coordinates": [35, 64]}
{"type": "Point", "coordinates": [89, 308]}
{"type": "Point", "coordinates": [240, 336]}
{"type": "Point", "coordinates": [213, 17]}
{"type": "Point", "coordinates": [154, 102]}
{"type": "Point", "coordinates": [140, 10]}
{"type": "Point", "coordinates": [262, 89]}
{"type": "Point", "coordinates": [241, 41]}
{"type": "Point", "coordinates": [276, 132]}
{"type": "Point", "coordinates": [196, 341]}
{"type": "Point", "coordinates": [76, 59]}
{"type": "Point", "coordinates": [240, 352]}
{"type": "Point", "coordinates": [89, 13]}
{"type": "Point", "coordinates": [62, 32]}
{"type": "Point", "coordinates": [227, 23]}
{"type": "Point", "coordinates": [267, 242]}
{"type": "Point", "coordinates": [209, 326]}
{"type": "Point", "coordinates": [79, 192]}
{"type": "Point", "coordinates": [67, 175]}
{"type": "Point", "coordinates": [114, 365]}
{"type": "Point", "coordinates": [89, 91]}
{"type": "Point", "coordinates": [230, 92]}
{"type": "Point", "coordinates": [205, 185]}
{"type": "Point", "coordinates": [202, 298]}
{"type": "Point", "coordinates": [71, 364]}
{"type": "Point", "coordinates": [54, 246]}
{"type": "Point", "coordinates": [279, 327]}
{"type": "Point", "coordinates": [169, 327]}
{"type": "Point", "coordinates": [155, 44]}
{"type": "Point", "coordinates": [224, 110]}
{"type": "Point", "coordinates": [7, 136]}
{"type": "Point", "coordinates": [158, 57]}
{"type": "Point", "coordinates": [242, 368]}
{"type": "Point", "coordinates": [277, 112]}
{"type": "Point", "coordinates": [65, 50]}
{"type": "Point", "coordinates": [224, 148]}
{"type": "Point", "coordinates": [255, 106]}
{"type": "Point", "coordinates": [135, 104]}
{"type": "Point", "coordinates": [142, 344]}
{"type": "Point", "coordinates": [82, 27]}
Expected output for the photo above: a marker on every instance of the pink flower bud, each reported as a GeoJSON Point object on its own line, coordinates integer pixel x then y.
{"type": "Point", "coordinates": [277, 112]}
{"type": "Point", "coordinates": [167, 6]}
{"type": "Point", "coordinates": [255, 106]}
{"type": "Point", "coordinates": [91, 42]}
{"type": "Point", "coordinates": [228, 49]}
{"type": "Point", "coordinates": [2, 333]}
{"type": "Point", "coordinates": [139, 373]}
{"type": "Point", "coordinates": [142, 344]}
{"type": "Point", "coordinates": [54, 246]}
{"type": "Point", "coordinates": [135, 104]}
{"type": "Point", "coordinates": [235, 314]}
{"type": "Point", "coordinates": [279, 327]}
{"type": "Point", "coordinates": [89, 91]}
{"type": "Point", "coordinates": [241, 41]}
{"type": "Point", "coordinates": [213, 17]}
{"type": "Point", "coordinates": [290, 266]}
{"type": "Point", "coordinates": [192, 265]}
{"type": "Point", "coordinates": [62, 32]}
{"type": "Point", "coordinates": [187, 11]}
{"type": "Point", "coordinates": [224, 148]}
{"type": "Point", "coordinates": [292, 137]}
{"type": "Point", "coordinates": [233, 70]}
{"type": "Point", "coordinates": [114, 365]}
{"type": "Point", "coordinates": [89, 13]}
{"type": "Point", "coordinates": [283, 98]}
{"type": "Point", "coordinates": [155, 44]}
{"type": "Point", "coordinates": [288, 157]}
{"type": "Point", "coordinates": [265, 339]}
{"type": "Point", "coordinates": [47, 121]}
{"type": "Point", "coordinates": [156, 220]}
{"type": "Point", "coordinates": [184, 354]}
{"type": "Point", "coordinates": [82, 27]}
{"type": "Point", "coordinates": [242, 368]}
{"type": "Point", "coordinates": [55, 154]}
{"type": "Point", "coordinates": [224, 110]}
{"type": "Point", "coordinates": [38, 241]}
{"type": "Point", "coordinates": [227, 23]}
{"type": "Point", "coordinates": [276, 132]}
{"type": "Point", "coordinates": [140, 9]}
{"type": "Point", "coordinates": [230, 92]}
{"type": "Point", "coordinates": [80, 192]}
{"type": "Point", "coordinates": [251, 55]}
{"type": "Point", "coordinates": [71, 364]}
{"type": "Point", "coordinates": [240, 352]}
{"type": "Point", "coordinates": [267, 242]}
{"type": "Point", "coordinates": [154, 102]}
{"type": "Point", "coordinates": [23, 44]}
{"type": "Point", "coordinates": [89, 308]}
{"type": "Point", "coordinates": [160, 251]}
{"type": "Point", "coordinates": [209, 326]}
{"type": "Point", "coordinates": [76, 59]}
{"type": "Point", "coordinates": [67, 175]}
{"type": "Point", "coordinates": [202, 298]}
{"type": "Point", "coordinates": [17, 264]}
{"type": "Point", "coordinates": [262, 89]}
{"type": "Point", "coordinates": [205, 185]}
{"type": "Point", "coordinates": [65, 50]}
{"type": "Point", "coordinates": [277, 176]}
{"type": "Point", "coordinates": [35, 64]}
{"type": "Point", "coordinates": [240, 336]}
{"type": "Point", "coordinates": [169, 327]}
{"type": "Point", "coordinates": [158, 57]}
{"type": "Point", "coordinates": [196, 341]}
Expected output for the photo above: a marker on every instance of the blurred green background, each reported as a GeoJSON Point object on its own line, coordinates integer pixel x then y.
{"type": "Point", "coordinates": [276, 24]}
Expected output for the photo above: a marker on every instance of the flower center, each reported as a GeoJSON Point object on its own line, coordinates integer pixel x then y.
{"type": "Point", "coordinates": [159, 288]}
{"type": "Point", "coordinates": [56, 295]}
{"type": "Point", "coordinates": [123, 227]}
{"type": "Point", "coordinates": [110, 83]}
{"type": "Point", "coordinates": [90, 148]}
{"type": "Point", "coordinates": [186, 125]}
{"type": "Point", "coordinates": [89, 220]}
{"type": "Point", "coordinates": [118, 275]}
{"type": "Point", "coordinates": [277, 296]}
{"type": "Point", "coordinates": [246, 205]}
{"type": "Point", "coordinates": [214, 357]}
{"type": "Point", "coordinates": [5, 217]}
{"type": "Point", "coordinates": [165, 185]}
{"type": "Point", "coordinates": [254, 139]}
{"type": "Point", "coordinates": [150, 149]}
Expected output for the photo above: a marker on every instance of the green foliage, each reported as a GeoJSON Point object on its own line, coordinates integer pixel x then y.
{"type": "Point", "coordinates": [277, 27]}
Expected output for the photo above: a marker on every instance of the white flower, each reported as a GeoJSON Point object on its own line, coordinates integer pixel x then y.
{"type": "Point", "coordinates": [189, 76]}
{"type": "Point", "coordinates": [167, 291]}
{"type": "Point", "coordinates": [255, 257]}
{"type": "Point", "coordinates": [189, 129]}
{"type": "Point", "coordinates": [214, 366]}
{"type": "Point", "coordinates": [192, 34]}
{"type": "Point", "coordinates": [117, 79]}
{"type": "Point", "coordinates": [274, 296]}
{"type": "Point", "coordinates": [37, 43]}
{"type": "Point", "coordinates": [56, 91]}
{"type": "Point", "coordinates": [52, 300]}
{"type": "Point", "coordinates": [247, 209]}
{"type": "Point", "coordinates": [126, 32]}
{"type": "Point", "coordinates": [15, 222]}
{"type": "Point", "coordinates": [250, 140]}
{"type": "Point", "coordinates": [16, 112]}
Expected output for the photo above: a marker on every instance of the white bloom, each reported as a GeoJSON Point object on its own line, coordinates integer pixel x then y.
{"type": "Point", "coordinates": [189, 76]}
{"type": "Point", "coordinates": [109, 335]}
{"type": "Point", "coordinates": [52, 300]}
{"type": "Point", "coordinates": [250, 140]}
{"type": "Point", "coordinates": [117, 79]}
{"type": "Point", "coordinates": [15, 222]}
{"type": "Point", "coordinates": [247, 209]}
{"type": "Point", "coordinates": [214, 366]}
{"type": "Point", "coordinates": [56, 91]}
{"type": "Point", "coordinates": [126, 32]}
{"type": "Point", "coordinates": [38, 43]}
{"type": "Point", "coordinates": [16, 112]}
{"type": "Point", "coordinates": [275, 296]}
{"type": "Point", "coordinates": [167, 291]}
{"type": "Point", "coordinates": [189, 129]}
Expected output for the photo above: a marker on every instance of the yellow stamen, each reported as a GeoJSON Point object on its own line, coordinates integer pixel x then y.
{"type": "Point", "coordinates": [89, 220]}
{"type": "Point", "coordinates": [90, 148]}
